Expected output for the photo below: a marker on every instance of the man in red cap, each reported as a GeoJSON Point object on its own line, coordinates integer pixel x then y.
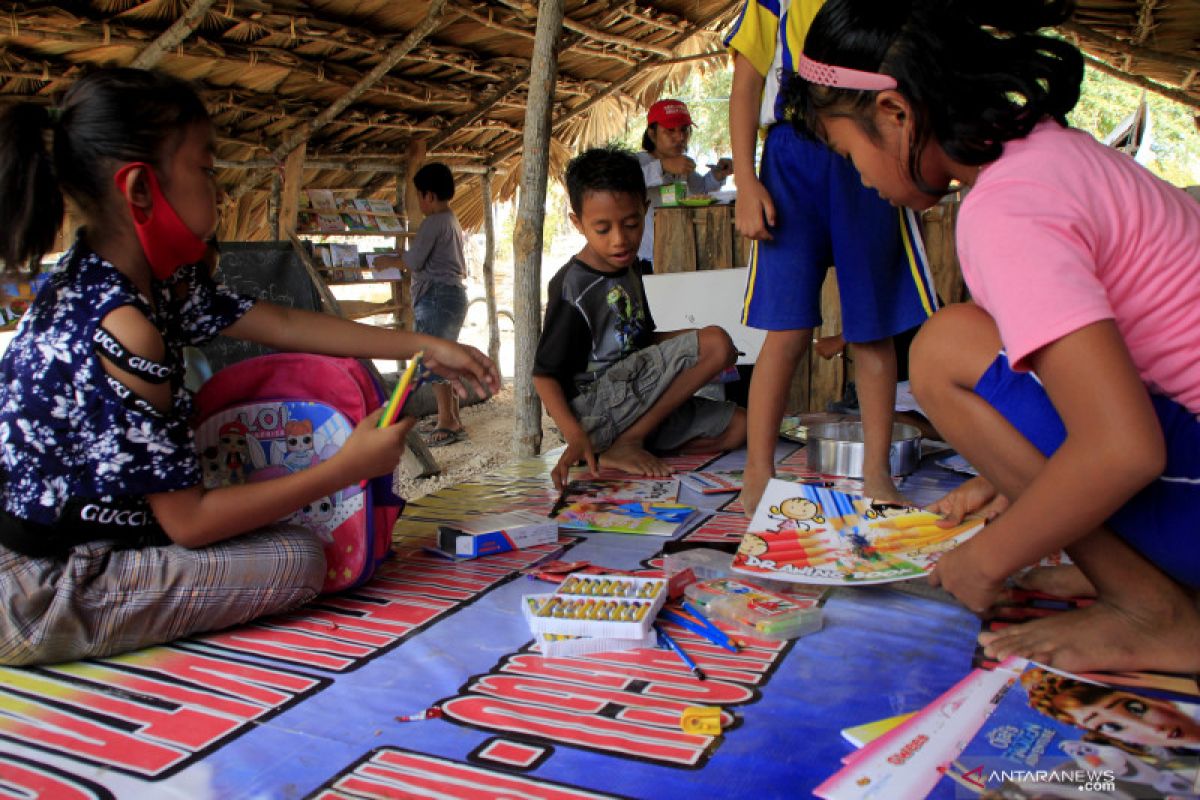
{"type": "Point", "coordinates": [664, 162]}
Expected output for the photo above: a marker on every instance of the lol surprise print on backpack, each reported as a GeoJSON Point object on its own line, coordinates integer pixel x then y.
{"type": "Point", "coordinates": [278, 414]}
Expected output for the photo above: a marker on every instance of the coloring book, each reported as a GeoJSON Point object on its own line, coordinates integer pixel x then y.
{"type": "Point", "coordinates": [645, 506]}
{"type": "Point", "coordinates": [1053, 734]}
{"type": "Point", "coordinates": [813, 534]}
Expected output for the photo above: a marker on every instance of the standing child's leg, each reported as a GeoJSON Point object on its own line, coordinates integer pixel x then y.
{"type": "Point", "coordinates": [770, 385]}
{"type": "Point", "coordinates": [1142, 619]}
{"type": "Point", "coordinates": [875, 379]}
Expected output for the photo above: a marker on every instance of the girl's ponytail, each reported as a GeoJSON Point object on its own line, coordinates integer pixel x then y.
{"type": "Point", "coordinates": [31, 202]}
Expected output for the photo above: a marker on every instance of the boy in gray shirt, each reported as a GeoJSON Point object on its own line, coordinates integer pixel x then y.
{"type": "Point", "coordinates": [435, 261]}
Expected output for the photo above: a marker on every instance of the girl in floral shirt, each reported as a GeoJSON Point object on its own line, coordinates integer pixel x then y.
{"type": "Point", "coordinates": [108, 539]}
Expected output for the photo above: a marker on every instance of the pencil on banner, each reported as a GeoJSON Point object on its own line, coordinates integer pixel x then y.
{"type": "Point", "coordinates": [697, 628]}
{"type": "Point", "coordinates": [665, 638]}
{"type": "Point", "coordinates": [719, 636]}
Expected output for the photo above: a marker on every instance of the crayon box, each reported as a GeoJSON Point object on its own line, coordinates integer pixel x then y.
{"type": "Point", "coordinates": [496, 533]}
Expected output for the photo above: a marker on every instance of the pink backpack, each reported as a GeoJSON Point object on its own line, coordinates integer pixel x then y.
{"type": "Point", "coordinates": [272, 415]}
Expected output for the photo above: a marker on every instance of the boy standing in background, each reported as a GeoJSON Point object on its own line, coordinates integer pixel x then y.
{"type": "Point", "coordinates": [614, 386]}
{"type": "Point", "coordinates": [435, 260]}
{"type": "Point", "coordinates": [807, 211]}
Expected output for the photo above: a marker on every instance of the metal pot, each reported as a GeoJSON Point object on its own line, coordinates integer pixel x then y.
{"type": "Point", "coordinates": [836, 448]}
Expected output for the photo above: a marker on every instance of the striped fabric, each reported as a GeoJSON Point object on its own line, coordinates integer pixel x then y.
{"type": "Point", "coordinates": [103, 601]}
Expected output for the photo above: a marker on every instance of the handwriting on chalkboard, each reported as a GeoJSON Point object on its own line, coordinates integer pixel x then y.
{"type": "Point", "coordinates": [269, 271]}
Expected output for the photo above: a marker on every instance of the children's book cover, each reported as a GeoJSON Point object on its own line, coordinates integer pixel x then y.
{"type": "Point", "coordinates": [1055, 735]}
{"type": "Point", "coordinates": [813, 534]}
{"type": "Point", "coordinates": [624, 516]}
{"type": "Point", "coordinates": [620, 505]}
{"type": "Point", "coordinates": [713, 481]}
{"type": "Point", "coordinates": [907, 760]}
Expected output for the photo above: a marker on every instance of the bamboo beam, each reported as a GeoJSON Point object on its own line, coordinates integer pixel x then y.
{"type": "Point", "coordinates": [1145, 83]}
{"type": "Point", "coordinates": [345, 165]}
{"type": "Point", "coordinates": [489, 266]}
{"type": "Point", "coordinates": [1145, 22]}
{"type": "Point", "coordinates": [527, 238]}
{"type": "Point", "coordinates": [489, 22]}
{"type": "Point", "coordinates": [623, 80]}
{"type": "Point", "coordinates": [173, 36]}
{"type": "Point", "coordinates": [291, 184]}
{"type": "Point", "coordinates": [1137, 51]}
{"type": "Point", "coordinates": [431, 20]}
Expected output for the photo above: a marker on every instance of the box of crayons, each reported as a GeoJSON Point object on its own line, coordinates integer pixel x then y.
{"type": "Point", "coordinates": [558, 645]}
{"type": "Point", "coordinates": [614, 607]}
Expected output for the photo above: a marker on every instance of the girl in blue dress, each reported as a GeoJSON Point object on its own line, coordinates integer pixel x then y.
{"type": "Point", "coordinates": [108, 539]}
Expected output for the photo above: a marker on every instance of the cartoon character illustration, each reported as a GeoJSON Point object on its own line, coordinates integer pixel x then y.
{"type": "Point", "coordinates": [213, 468]}
{"type": "Point", "coordinates": [317, 516]}
{"type": "Point", "coordinates": [752, 545]}
{"type": "Point", "coordinates": [234, 451]}
{"type": "Point", "coordinates": [301, 453]}
{"type": "Point", "coordinates": [1113, 713]}
{"type": "Point", "coordinates": [799, 513]}
{"type": "Point", "coordinates": [1126, 767]}
{"type": "Point", "coordinates": [629, 318]}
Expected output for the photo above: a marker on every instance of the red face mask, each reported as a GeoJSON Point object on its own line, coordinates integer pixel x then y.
{"type": "Point", "coordinates": [167, 242]}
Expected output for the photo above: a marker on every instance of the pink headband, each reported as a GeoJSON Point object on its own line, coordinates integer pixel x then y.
{"type": "Point", "coordinates": [843, 77]}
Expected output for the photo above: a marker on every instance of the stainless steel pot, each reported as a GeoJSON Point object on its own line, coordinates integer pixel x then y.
{"type": "Point", "coordinates": [836, 448]}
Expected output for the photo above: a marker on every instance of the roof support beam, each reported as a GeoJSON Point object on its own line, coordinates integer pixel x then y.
{"type": "Point", "coordinates": [432, 18]}
{"type": "Point", "coordinates": [1137, 80]}
{"type": "Point", "coordinates": [173, 36]}
{"type": "Point", "coordinates": [1137, 51]}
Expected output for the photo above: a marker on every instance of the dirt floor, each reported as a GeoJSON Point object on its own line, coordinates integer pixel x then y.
{"type": "Point", "coordinates": [490, 428]}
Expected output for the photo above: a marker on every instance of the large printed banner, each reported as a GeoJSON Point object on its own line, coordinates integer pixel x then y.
{"type": "Point", "coordinates": [424, 683]}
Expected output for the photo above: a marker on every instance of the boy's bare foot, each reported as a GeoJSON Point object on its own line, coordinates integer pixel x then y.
{"type": "Point", "coordinates": [1105, 637]}
{"type": "Point", "coordinates": [634, 459]}
{"type": "Point", "coordinates": [1062, 581]}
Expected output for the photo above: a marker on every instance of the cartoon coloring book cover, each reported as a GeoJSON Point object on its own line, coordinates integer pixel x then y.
{"type": "Point", "coordinates": [1055, 735]}
{"type": "Point", "coordinates": [642, 505]}
{"type": "Point", "coordinates": [813, 534]}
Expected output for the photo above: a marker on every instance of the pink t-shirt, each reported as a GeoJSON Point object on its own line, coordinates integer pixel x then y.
{"type": "Point", "coordinates": [1062, 231]}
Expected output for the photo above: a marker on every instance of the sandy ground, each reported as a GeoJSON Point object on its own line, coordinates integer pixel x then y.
{"type": "Point", "coordinates": [490, 427]}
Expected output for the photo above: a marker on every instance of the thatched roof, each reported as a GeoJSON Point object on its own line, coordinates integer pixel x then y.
{"type": "Point", "coordinates": [272, 72]}
{"type": "Point", "coordinates": [359, 81]}
{"type": "Point", "coordinates": [1155, 43]}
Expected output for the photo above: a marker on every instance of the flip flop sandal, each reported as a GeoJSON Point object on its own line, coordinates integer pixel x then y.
{"type": "Point", "coordinates": [441, 437]}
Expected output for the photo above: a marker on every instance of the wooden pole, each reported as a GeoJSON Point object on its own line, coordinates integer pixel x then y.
{"type": "Point", "coordinates": [489, 266]}
{"type": "Point", "coordinates": [531, 212]}
{"type": "Point", "coordinates": [274, 203]}
{"type": "Point", "coordinates": [289, 191]}
{"type": "Point", "coordinates": [173, 36]}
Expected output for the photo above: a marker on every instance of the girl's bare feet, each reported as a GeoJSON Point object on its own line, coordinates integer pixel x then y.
{"type": "Point", "coordinates": [1062, 581]}
{"type": "Point", "coordinates": [1162, 635]}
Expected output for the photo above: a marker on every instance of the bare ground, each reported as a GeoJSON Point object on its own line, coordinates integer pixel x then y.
{"type": "Point", "coordinates": [490, 429]}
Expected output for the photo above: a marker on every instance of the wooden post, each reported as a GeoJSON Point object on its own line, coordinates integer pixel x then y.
{"type": "Point", "coordinates": [531, 211]}
{"type": "Point", "coordinates": [274, 203]}
{"type": "Point", "coordinates": [289, 192]}
{"type": "Point", "coordinates": [489, 266]}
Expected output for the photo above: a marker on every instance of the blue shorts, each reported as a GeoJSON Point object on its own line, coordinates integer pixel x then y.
{"type": "Point", "coordinates": [440, 312]}
{"type": "Point", "coordinates": [825, 217]}
{"type": "Point", "coordinates": [1160, 520]}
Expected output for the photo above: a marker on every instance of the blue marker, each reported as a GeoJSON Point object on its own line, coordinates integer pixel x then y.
{"type": "Point", "coordinates": [714, 633]}
{"type": "Point", "coordinates": [663, 638]}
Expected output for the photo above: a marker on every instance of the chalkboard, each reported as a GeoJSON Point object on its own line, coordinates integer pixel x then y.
{"type": "Point", "coordinates": [267, 270]}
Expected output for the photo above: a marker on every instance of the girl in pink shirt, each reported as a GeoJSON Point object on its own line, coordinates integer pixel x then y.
{"type": "Point", "coordinates": [1073, 381]}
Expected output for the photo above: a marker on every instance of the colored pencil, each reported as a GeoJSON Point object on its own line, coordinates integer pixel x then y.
{"type": "Point", "coordinates": [665, 638]}
{"type": "Point", "coordinates": [404, 387]}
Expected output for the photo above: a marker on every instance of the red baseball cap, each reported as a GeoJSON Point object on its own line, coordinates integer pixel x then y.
{"type": "Point", "coordinates": [669, 113]}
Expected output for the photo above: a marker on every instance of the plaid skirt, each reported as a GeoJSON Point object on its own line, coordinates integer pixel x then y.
{"type": "Point", "coordinates": [104, 600]}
